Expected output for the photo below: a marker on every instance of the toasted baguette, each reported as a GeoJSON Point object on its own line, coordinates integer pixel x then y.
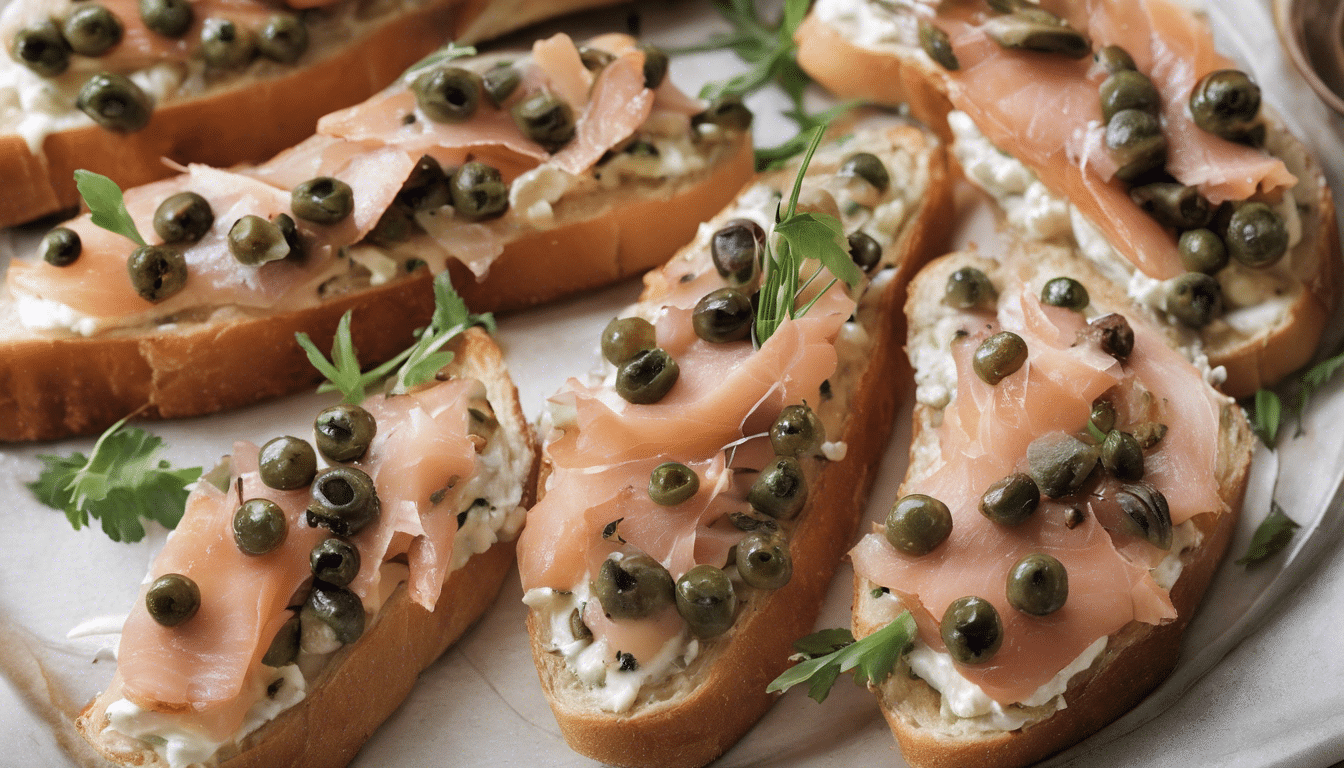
{"type": "Point", "coordinates": [695, 715]}
{"type": "Point", "coordinates": [363, 683]}
{"type": "Point", "coordinates": [903, 73]}
{"type": "Point", "coordinates": [281, 103]}
{"type": "Point", "coordinates": [1139, 656]}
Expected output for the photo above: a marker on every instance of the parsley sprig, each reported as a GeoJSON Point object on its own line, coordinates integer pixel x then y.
{"type": "Point", "coordinates": [106, 204]}
{"type": "Point", "coordinates": [1270, 537]}
{"type": "Point", "coordinates": [829, 653]}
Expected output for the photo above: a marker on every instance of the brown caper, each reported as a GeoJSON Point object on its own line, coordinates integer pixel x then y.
{"type": "Point", "coordinates": [183, 218]}
{"type": "Point", "coordinates": [1011, 501]}
{"type": "Point", "coordinates": [1112, 333]}
{"type": "Point", "coordinates": [156, 272]}
{"type": "Point", "coordinates": [972, 630]}
{"type": "Point", "coordinates": [1102, 416]}
{"type": "Point", "coordinates": [917, 524]}
{"type": "Point", "coordinates": [595, 59]}
{"type": "Point", "coordinates": [1122, 456]}
{"type": "Point", "coordinates": [1038, 585]}
{"type": "Point", "coordinates": [999, 356]}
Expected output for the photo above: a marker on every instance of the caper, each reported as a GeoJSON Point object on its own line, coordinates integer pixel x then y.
{"type": "Point", "coordinates": [343, 432]}
{"type": "Point", "coordinates": [736, 250]}
{"type": "Point", "coordinates": [577, 628]}
{"type": "Point", "coordinates": [1149, 433]}
{"type": "Point", "coordinates": [917, 524]}
{"type": "Point", "coordinates": [706, 600]}
{"type": "Point", "coordinates": [864, 251]}
{"type": "Point", "coordinates": [1172, 204]}
{"type": "Point", "coordinates": [478, 192]}
{"type": "Point", "coordinates": [183, 218]}
{"type": "Point", "coordinates": [968, 288]}
{"type": "Point", "coordinates": [286, 463]}
{"type": "Point", "coordinates": [999, 356]}
{"type": "Point", "coordinates": [171, 18]}
{"type": "Point", "coordinates": [1226, 103]}
{"type": "Point", "coordinates": [226, 45]}
{"type": "Point", "coordinates": [1146, 513]}
{"type": "Point", "coordinates": [172, 599]}
{"type": "Point", "coordinates": [259, 526]}
{"type": "Point", "coordinates": [343, 500]}
{"type": "Point", "coordinates": [41, 48]}
{"type": "Point", "coordinates": [1037, 30]}
{"type": "Point", "coordinates": [647, 377]}
{"type": "Point", "coordinates": [1113, 58]}
{"type": "Point", "coordinates": [255, 241]}
{"type": "Point", "coordinates": [938, 46]}
{"type": "Point", "coordinates": [1011, 501]}
{"type": "Point", "coordinates": [426, 188]}
{"type": "Point", "coordinates": [156, 271]}
{"type": "Point", "coordinates": [284, 648]}
{"type": "Point", "coordinates": [334, 561]}
{"type": "Point", "coordinates": [971, 630]}
{"type": "Point", "coordinates": [1128, 89]}
{"type": "Point", "coordinates": [672, 483]}
{"type": "Point", "coordinates": [727, 112]}
{"type": "Point", "coordinates": [625, 337]}
{"type": "Point", "coordinates": [114, 102]}
{"type": "Point", "coordinates": [283, 38]}
{"type": "Point", "coordinates": [1038, 584]}
{"type": "Point", "coordinates": [448, 94]}
{"type": "Point", "coordinates": [91, 30]}
{"type": "Point", "coordinates": [633, 587]}
{"type": "Point", "coordinates": [1102, 416]}
{"type": "Point", "coordinates": [723, 315]}
{"type": "Point", "coordinates": [1112, 333]}
{"type": "Point", "coordinates": [797, 431]}
{"type": "Point", "coordinates": [500, 81]}
{"type": "Point", "coordinates": [60, 247]}
{"type": "Point", "coordinates": [545, 119]}
{"type": "Point", "coordinates": [1194, 299]}
{"type": "Point", "coordinates": [1136, 143]}
{"type": "Point", "coordinates": [1122, 456]}
{"type": "Point", "coordinates": [1202, 251]}
{"type": "Point", "coordinates": [290, 231]}
{"type": "Point", "coordinates": [763, 560]}
{"type": "Point", "coordinates": [395, 225]}
{"type": "Point", "coordinates": [1256, 235]}
{"type": "Point", "coordinates": [338, 608]}
{"type": "Point", "coordinates": [867, 166]}
{"type": "Point", "coordinates": [595, 59]}
{"type": "Point", "coordinates": [780, 490]}
{"type": "Point", "coordinates": [655, 65]}
{"type": "Point", "coordinates": [1060, 463]}
{"type": "Point", "coordinates": [323, 200]}
{"type": "Point", "coordinates": [1065, 292]}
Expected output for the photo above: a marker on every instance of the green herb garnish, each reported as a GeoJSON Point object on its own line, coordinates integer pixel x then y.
{"type": "Point", "coordinates": [1271, 536]}
{"type": "Point", "coordinates": [1265, 417]}
{"type": "Point", "coordinates": [106, 204]}
{"type": "Point", "coordinates": [1315, 378]}
{"type": "Point", "coordinates": [439, 56]}
{"type": "Point", "coordinates": [831, 652]}
{"type": "Point", "coordinates": [118, 483]}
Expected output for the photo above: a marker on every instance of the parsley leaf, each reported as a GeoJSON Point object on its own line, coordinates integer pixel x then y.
{"type": "Point", "coordinates": [873, 658]}
{"type": "Point", "coordinates": [106, 204]}
{"type": "Point", "coordinates": [1265, 417]}
{"type": "Point", "coordinates": [1271, 536]}
{"type": "Point", "coordinates": [1316, 377]}
{"type": "Point", "coordinates": [439, 56]}
{"type": "Point", "coordinates": [342, 371]}
{"type": "Point", "coordinates": [774, 158]}
{"type": "Point", "coordinates": [119, 483]}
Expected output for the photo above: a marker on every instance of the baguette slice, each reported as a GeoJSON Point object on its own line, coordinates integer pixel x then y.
{"type": "Point", "coordinates": [697, 712]}
{"type": "Point", "coordinates": [1137, 656]}
{"type": "Point", "coordinates": [243, 117]}
{"type": "Point", "coordinates": [362, 683]}
{"type": "Point", "coordinates": [1275, 317]}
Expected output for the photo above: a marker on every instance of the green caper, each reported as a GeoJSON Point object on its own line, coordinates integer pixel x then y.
{"type": "Point", "coordinates": [917, 524]}
{"type": "Point", "coordinates": [1256, 235]}
{"type": "Point", "coordinates": [595, 59]}
{"type": "Point", "coordinates": [1113, 58]}
{"type": "Point", "coordinates": [1135, 140]}
{"type": "Point", "coordinates": [395, 225]}
{"type": "Point", "coordinates": [286, 463]}
{"type": "Point", "coordinates": [448, 94]}
{"type": "Point", "coordinates": [41, 48]}
{"type": "Point", "coordinates": [763, 560]}
{"type": "Point", "coordinates": [625, 337]}
{"type": "Point", "coordinates": [478, 192]}
{"type": "Point", "coordinates": [284, 648]}
{"type": "Point", "coordinates": [864, 251]}
{"type": "Point", "coordinates": [290, 231]}
{"type": "Point", "coordinates": [999, 356]}
{"type": "Point", "coordinates": [1128, 89]}
{"type": "Point", "coordinates": [723, 315]}
{"type": "Point", "coordinates": [255, 241]}
{"type": "Point", "coordinates": [938, 46]}
{"type": "Point", "coordinates": [969, 288]}
{"type": "Point", "coordinates": [647, 377]}
{"type": "Point", "coordinates": [1112, 333]}
{"type": "Point", "coordinates": [1038, 584]}
{"type": "Point", "coordinates": [1122, 456]}
{"type": "Point", "coordinates": [971, 630]}
{"type": "Point", "coordinates": [1036, 30]}
{"type": "Point", "coordinates": [780, 491]}
{"type": "Point", "coordinates": [91, 30]}
{"type": "Point", "coordinates": [797, 431]}
{"type": "Point", "coordinates": [1172, 204]}
{"type": "Point", "coordinates": [1102, 416]}
{"type": "Point", "coordinates": [283, 38]}
{"type": "Point", "coordinates": [183, 218]}
{"type": "Point", "coordinates": [343, 500]}
{"type": "Point", "coordinates": [60, 247]}
{"type": "Point", "coordinates": [727, 112]}
{"type": "Point", "coordinates": [706, 600]}
{"type": "Point", "coordinates": [1011, 501]}
{"type": "Point", "coordinates": [500, 81]}
{"type": "Point", "coordinates": [259, 526]}
{"type": "Point", "coordinates": [655, 65]}
{"type": "Point", "coordinates": [338, 608]}
{"type": "Point", "coordinates": [334, 561]}
{"type": "Point", "coordinates": [672, 483]}
{"type": "Point", "coordinates": [736, 250]}
{"type": "Point", "coordinates": [170, 18]}
{"type": "Point", "coordinates": [226, 45]}
{"type": "Point", "coordinates": [545, 119]}
{"type": "Point", "coordinates": [1194, 299]}
{"type": "Point", "coordinates": [1065, 292]}
{"type": "Point", "coordinates": [343, 432]}
{"type": "Point", "coordinates": [156, 271]}
{"type": "Point", "coordinates": [1226, 103]}
{"type": "Point", "coordinates": [1202, 251]}
{"type": "Point", "coordinates": [1147, 514]}
{"type": "Point", "coordinates": [114, 102]}
{"type": "Point", "coordinates": [426, 188]}
{"type": "Point", "coordinates": [172, 599]}
{"type": "Point", "coordinates": [633, 587]}
{"type": "Point", "coordinates": [323, 200]}
{"type": "Point", "coordinates": [867, 166]}
{"type": "Point", "coordinates": [1060, 463]}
